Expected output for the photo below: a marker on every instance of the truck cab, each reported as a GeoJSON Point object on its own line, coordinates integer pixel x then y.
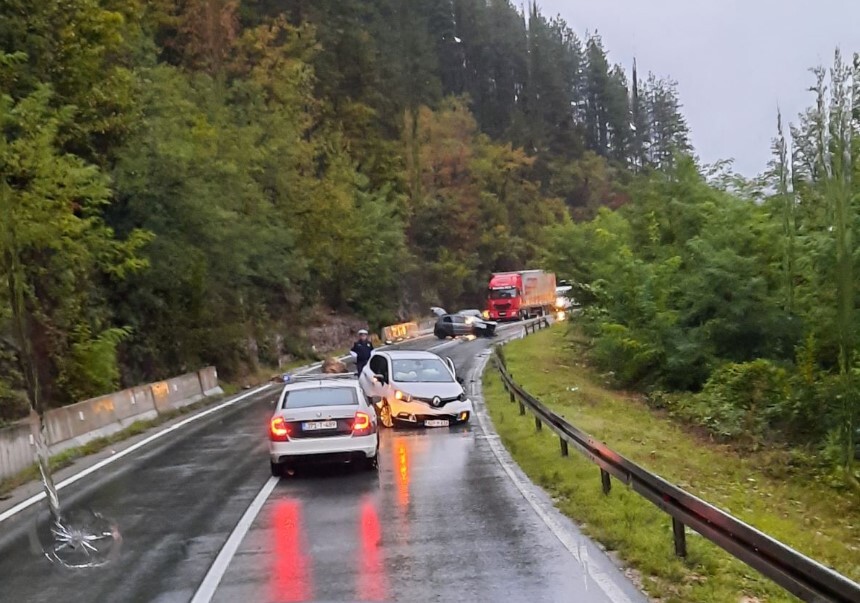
{"type": "Point", "coordinates": [518, 295]}
{"type": "Point", "coordinates": [504, 297]}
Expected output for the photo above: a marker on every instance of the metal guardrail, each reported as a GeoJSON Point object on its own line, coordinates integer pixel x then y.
{"type": "Point", "coordinates": [797, 573]}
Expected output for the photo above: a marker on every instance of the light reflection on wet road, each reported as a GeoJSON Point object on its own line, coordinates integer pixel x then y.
{"type": "Point", "coordinates": [441, 521]}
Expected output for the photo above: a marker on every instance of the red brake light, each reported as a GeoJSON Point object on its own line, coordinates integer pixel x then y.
{"type": "Point", "coordinates": [361, 425]}
{"type": "Point", "coordinates": [362, 421]}
{"type": "Point", "coordinates": [278, 430]}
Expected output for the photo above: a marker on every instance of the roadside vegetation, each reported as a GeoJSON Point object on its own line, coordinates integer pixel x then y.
{"type": "Point", "coordinates": [188, 182]}
{"type": "Point", "coordinates": [731, 303]}
{"type": "Point", "coordinates": [762, 487]}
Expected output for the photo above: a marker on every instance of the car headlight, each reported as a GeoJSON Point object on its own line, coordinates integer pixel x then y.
{"type": "Point", "coordinates": [402, 396]}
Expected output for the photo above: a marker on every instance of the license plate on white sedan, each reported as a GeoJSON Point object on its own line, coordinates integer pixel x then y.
{"type": "Point", "coordinates": [318, 425]}
{"type": "Point", "coordinates": [436, 423]}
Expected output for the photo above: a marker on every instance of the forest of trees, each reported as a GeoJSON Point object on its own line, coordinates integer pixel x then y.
{"type": "Point", "coordinates": [182, 180]}
{"type": "Point", "coordinates": [732, 302]}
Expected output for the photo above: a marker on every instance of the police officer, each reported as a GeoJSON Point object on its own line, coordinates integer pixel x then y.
{"type": "Point", "coordinates": [361, 351]}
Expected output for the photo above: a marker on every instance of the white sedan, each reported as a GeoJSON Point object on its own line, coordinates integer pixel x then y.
{"type": "Point", "coordinates": [417, 388]}
{"type": "Point", "coordinates": [323, 418]}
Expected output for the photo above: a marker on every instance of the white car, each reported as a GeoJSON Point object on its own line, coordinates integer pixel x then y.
{"type": "Point", "coordinates": [323, 418]}
{"type": "Point", "coordinates": [414, 387]}
{"type": "Point", "coordinates": [563, 301]}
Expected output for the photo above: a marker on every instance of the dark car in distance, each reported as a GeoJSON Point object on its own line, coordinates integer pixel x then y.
{"type": "Point", "coordinates": [464, 322]}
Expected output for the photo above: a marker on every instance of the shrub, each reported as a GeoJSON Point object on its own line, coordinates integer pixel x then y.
{"type": "Point", "coordinates": [744, 401]}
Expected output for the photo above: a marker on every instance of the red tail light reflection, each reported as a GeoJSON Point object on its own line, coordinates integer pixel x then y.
{"type": "Point", "coordinates": [372, 584]}
{"type": "Point", "coordinates": [290, 578]}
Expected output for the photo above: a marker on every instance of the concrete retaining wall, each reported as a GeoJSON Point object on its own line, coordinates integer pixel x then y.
{"type": "Point", "coordinates": [16, 453]}
{"type": "Point", "coordinates": [408, 330]}
{"type": "Point", "coordinates": [77, 424]}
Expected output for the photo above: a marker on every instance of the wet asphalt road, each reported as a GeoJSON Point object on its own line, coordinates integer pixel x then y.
{"type": "Point", "coordinates": [441, 521]}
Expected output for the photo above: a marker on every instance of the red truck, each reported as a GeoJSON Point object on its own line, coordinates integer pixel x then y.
{"type": "Point", "coordinates": [518, 295]}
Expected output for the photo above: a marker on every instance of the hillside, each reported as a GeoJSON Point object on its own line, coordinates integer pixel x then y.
{"type": "Point", "coordinates": [184, 181]}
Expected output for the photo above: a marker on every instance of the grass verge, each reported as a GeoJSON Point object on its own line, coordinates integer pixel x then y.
{"type": "Point", "coordinates": [814, 519]}
{"type": "Point", "coordinates": [70, 455]}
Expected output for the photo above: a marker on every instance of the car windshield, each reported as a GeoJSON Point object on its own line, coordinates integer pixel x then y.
{"type": "Point", "coordinates": [424, 370]}
{"type": "Point", "coordinates": [324, 396]}
{"type": "Point", "coordinates": [503, 293]}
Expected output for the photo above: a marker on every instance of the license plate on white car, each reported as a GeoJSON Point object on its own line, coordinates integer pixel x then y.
{"type": "Point", "coordinates": [436, 423]}
{"type": "Point", "coordinates": [317, 425]}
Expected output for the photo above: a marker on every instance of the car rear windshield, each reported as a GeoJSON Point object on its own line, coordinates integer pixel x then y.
{"type": "Point", "coordinates": [324, 396]}
{"type": "Point", "coordinates": [424, 370]}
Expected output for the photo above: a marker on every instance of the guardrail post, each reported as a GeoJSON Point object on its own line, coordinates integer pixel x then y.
{"type": "Point", "coordinates": [563, 444]}
{"type": "Point", "coordinates": [680, 536]}
{"type": "Point", "coordinates": [605, 482]}
{"type": "Point", "coordinates": [538, 424]}
{"type": "Point", "coordinates": [522, 408]}
{"type": "Point", "coordinates": [511, 393]}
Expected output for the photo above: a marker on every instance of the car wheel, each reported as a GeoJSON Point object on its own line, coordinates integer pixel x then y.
{"type": "Point", "coordinates": [439, 334]}
{"type": "Point", "coordinates": [277, 469]}
{"type": "Point", "coordinates": [371, 463]}
{"type": "Point", "coordinates": [385, 415]}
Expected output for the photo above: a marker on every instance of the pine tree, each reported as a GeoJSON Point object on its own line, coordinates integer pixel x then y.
{"type": "Point", "coordinates": [596, 87]}
{"type": "Point", "coordinates": [668, 131]}
{"type": "Point", "coordinates": [619, 116]}
{"type": "Point", "coordinates": [639, 138]}
{"type": "Point", "coordinates": [782, 174]}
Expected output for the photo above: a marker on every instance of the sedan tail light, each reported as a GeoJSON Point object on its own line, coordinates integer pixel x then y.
{"type": "Point", "coordinates": [279, 430]}
{"type": "Point", "coordinates": [362, 424]}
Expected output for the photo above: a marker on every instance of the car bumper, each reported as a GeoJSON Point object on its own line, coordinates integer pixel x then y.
{"type": "Point", "coordinates": [485, 332]}
{"type": "Point", "coordinates": [331, 448]}
{"type": "Point", "coordinates": [418, 412]}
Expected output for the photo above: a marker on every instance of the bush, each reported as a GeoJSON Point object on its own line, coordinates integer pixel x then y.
{"type": "Point", "coordinates": [628, 358]}
{"type": "Point", "coordinates": [13, 404]}
{"type": "Point", "coordinates": [746, 401]}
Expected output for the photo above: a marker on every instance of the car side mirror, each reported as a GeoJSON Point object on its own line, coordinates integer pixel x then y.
{"type": "Point", "coordinates": [460, 381]}
{"type": "Point", "coordinates": [380, 378]}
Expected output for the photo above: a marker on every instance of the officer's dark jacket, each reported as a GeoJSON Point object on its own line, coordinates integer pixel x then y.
{"type": "Point", "coordinates": [362, 351]}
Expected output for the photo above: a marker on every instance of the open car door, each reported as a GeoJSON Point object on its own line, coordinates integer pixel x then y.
{"type": "Point", "coordinates": [450, 364]}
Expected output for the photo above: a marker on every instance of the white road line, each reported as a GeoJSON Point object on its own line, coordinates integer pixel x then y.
{"type": "Point", "coordinates": [112, 459]}
{"type": "Point", "coordinates": [526, 488]}
{"type": "Point", "coordinates": [210, 583]}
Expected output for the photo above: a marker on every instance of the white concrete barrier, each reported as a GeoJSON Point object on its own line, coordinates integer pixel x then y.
{"type": "Point", "coordinates": [79, 423]}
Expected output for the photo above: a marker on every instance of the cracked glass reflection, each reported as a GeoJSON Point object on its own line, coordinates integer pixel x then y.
{"type": "Point", "coordinates": [79, 538]}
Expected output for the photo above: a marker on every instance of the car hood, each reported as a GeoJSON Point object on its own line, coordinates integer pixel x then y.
{"type": "Point", "coordinates": [429, 390]}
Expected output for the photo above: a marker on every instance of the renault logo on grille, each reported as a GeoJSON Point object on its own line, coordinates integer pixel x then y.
{"type": "Point", "coordinates": [437, 401]}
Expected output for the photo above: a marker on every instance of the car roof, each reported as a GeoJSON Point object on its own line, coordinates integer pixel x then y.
{"type": "Point", "coordinates": [410, 355]}
{"type": "Point", "coordinates": [320, 383]}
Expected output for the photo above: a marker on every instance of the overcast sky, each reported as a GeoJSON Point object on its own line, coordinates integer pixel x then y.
{"type": "Point", "coordinates": [734, 60]}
